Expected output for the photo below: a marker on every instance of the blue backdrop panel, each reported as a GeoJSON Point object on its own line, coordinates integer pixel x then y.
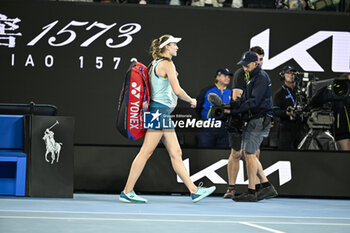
{"type": "Point", "coordinates": [11, 132]}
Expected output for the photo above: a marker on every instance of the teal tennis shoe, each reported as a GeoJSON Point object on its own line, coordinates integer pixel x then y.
{"type": "Point", "coordinates": [131, 197]}
{"type": "Point", "coordinates": [202, 192]}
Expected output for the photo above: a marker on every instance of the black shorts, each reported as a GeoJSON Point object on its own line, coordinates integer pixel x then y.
{"type": "Point", "coordinates": [342, 136]}
{"type": "Point", "coordinates": [235, 141]}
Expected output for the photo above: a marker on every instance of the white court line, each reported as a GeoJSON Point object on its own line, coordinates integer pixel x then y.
{"type": "Point", "coordinates": [304, 223]}
{"type": "Point", "coordinates": [261, 227]}
{"type": "Point", "coordinates": [169, 214]}
{"type": "Point", "coordinates": [168, 220]}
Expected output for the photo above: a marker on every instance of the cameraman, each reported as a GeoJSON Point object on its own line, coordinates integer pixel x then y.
{"type": "Point", "coordinates": [291, 130]}
{"type": "Point", "coordinates": [341, 127]}
{"type": "Point", "coordinates": [214, 137]}
{"type": "Point", "coordinates": [256, 108]}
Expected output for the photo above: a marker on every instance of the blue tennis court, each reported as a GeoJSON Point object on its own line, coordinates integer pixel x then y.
{"type": "Point", "coordinates": [167, 213]}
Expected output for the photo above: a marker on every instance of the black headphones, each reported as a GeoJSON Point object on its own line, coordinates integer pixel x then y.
{"type": "Point", "coordinates": [281, 74]}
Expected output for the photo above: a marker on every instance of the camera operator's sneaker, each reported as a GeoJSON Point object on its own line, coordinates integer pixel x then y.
{"type": "Point", "coordinates": [202, 192]}
{"type": "Point", "coordinates": [246, 197]}
{"type": "Point", "coordinates": [230, 193]}
{"type": "Point", "coordinates": [131, 197]}
{"type": "Point", "coordinates": [267, 193]}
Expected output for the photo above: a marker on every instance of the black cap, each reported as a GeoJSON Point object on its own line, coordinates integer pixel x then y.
{"type": "Point", "coordinates": [247, 58]}
{"type": "Point", "coordinates": [224, 71]}
{"type": "Point", "coordinates": [288, 69]}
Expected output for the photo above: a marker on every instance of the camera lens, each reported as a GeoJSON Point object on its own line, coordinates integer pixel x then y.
{"type": "Point", "coordinates": [341, 87]}
{"type": "Point", "coordinates": [218, 112]}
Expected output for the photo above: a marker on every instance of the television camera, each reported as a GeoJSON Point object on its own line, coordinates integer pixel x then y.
{"type": "Point", "coordinates": [313, 105]}
{"type": "Point", "coordinates": [233, 123]}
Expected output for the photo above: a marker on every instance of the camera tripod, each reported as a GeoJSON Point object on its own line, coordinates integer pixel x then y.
{"type": "Point", "coordinates": [319, 136]}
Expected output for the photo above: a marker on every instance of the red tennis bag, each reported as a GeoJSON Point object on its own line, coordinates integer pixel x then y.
{"type": "Point", "coordinates": [133, 101]}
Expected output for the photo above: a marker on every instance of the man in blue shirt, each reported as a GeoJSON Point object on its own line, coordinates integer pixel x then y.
{"type": "Point", "coordinates": [214, 137]}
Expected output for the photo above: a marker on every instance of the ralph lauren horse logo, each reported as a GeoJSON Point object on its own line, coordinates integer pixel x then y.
{"type": "Point", "coordinates": [52, 146]}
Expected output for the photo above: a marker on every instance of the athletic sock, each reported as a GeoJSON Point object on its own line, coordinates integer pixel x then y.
{"type": "Point", "coordinates": [258, 187]}
{"type": "Point", "coordinates": [265, 184]}
{"type": "Point", "coordinates": [251, 191]}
